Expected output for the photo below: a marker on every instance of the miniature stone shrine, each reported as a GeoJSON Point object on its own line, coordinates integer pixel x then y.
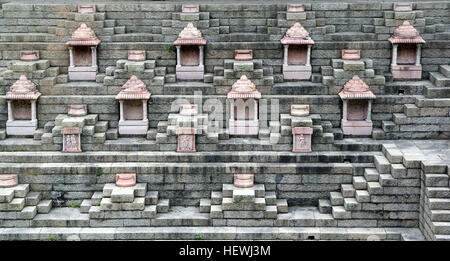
{"type": "Point", "coordinates": [86, 9]}
{"type": "Point", "coordinates": [7, 181]}
{"type": "Point", "coordinates": [74, 128]}
{"type": "Point", "coordinates": [186, 139]}
{"type": "Point", "coordinates": [136, 55]}
{"type": "Point", "coordinates": [83, 54]}
{"type": "Point", "coordinates": [297, 53]}
{"type": "Point", "coordinates": [76, 110]}
{"type": "Point", "coordinates": [125, 202]}
{"type": "Point", "coordinates": [357, 103]}
{"type": "Point", "coordinates": [188, 109]}
{"type": "Point", "coordinates": [406, 52]}
{"type": "Point", "coordinates": [244, 200]}
{"type": "Point", "coordinates": [133, 97]}
{"type": "Point", "coordinates": [29, 55]}
{"type": "Point", "coordinates": [244, 180]}
{"type": "Point", "coordinates": [126, 180]}
{"type": "Point", "coordinates": [188, 8]}
{"type": "Point", "coordinates": [243, 55]}
{"type": "Point", "coordinates": [295, 12]}
{"type": "Point", "coordinates": [243, 99]}
{"type": "Point", "coordinates": [189, 46]}
{"type": "Point", "coordinates": [71, 139]}
{"type": "Point", "coordinates": [351, 54]}
{"type": "Point", "coordinates": [21, 99]}
{"type": "Point", "coordinates": [302, 139]}
{"type": "Point", "coordinates": [299, 109]}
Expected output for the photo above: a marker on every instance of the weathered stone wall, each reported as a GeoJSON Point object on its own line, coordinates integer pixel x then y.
{"type": "Point", "coordinates": [154, 26]}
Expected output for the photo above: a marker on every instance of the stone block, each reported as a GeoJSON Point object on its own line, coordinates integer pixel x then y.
{"type": "Point", "coordinates": [243, 66]}
{"type": "Point", "coordinates": [350, 65]}
{"type": "Point", "coordinates": [122, 194]}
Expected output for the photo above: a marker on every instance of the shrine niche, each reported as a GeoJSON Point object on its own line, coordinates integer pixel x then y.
{"type": "Point", "coordinates": [301, 139]}
{"type": "Point", "coordinates": [297, 53]}
{"type": "Point", "coordinates": [71, 139]}
{"type": "Point", "coordinates": [406, 52]}
{"type": "Point", "coordinates": [189, 46]}
{"type": "Point", "coordinates": [83, 54]}
{"type": "Point", "coordinates": [244, 180]}
{"type": "Point", "coordinates": [133, 97]}
{"type": "Point", "coordinates": [21, 100]}
{"type": "Point", "coordinates": [243, 99]}
{"type": "Point", "coordinates": [357, 102]}
{"type": "Point", "coordinates": [126, 180]}
{"type": "Point", "coordinates": [186, 139]}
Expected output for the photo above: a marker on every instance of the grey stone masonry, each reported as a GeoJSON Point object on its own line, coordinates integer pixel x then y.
{"type": "Point", "coordinates": [236, 203]}
{"type": "Point", "coordinates": [19, 205]}
{"type": "Point", "coordinates": [123, 206]}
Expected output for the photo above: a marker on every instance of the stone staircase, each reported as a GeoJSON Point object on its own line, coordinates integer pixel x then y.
{"type": "Point", "coordinates": [384, 195]}
{"type": "Point", "coordinates": [441, 81]}
{"type": "Point", "coordinates": [234, 205]}
{"type": "Point", "coordinates": [435, 195]}
{"type": "Point", "coordinates": [123, 206]}
{"type": "Point", "coordinates": [18, 206]}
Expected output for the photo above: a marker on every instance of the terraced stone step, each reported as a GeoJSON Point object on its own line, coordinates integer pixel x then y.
{"type": "Point", "coordinates": [27, 37]}
{"type": "Point", "coordinates": [437, 92]}
{"type": "Point", "coordinates": [439, 80]}
{"type": "Point", "coordinates": [75, 88]}
{"type": "Point", "coordinates": [211, 233]}
{"type": "Point", "coordinates": [445, 70]}
{"type": "Point", "coordinates": [188, 88]}
{"type": "Point", "coordinates": [178, 168]}
{"type": "Point", "coordinates": [137, 37]}
{"type": "Point", "coordinates": [299, 88]}
{"type": "Point", "coordinates": [171, 156]}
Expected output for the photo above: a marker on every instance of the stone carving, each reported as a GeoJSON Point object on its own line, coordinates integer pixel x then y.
{"type": "Point", "coordinates": [243, 55]}
{"type": "Point", "coordinates": [133, 97]}
{"type": "Point", "coordinates": [21, 100]}
{"type": "Point", "coordinates": [357, 100]}
{"type": "Point", "coordinates": [71, 139]}
{"type": "Point", "coordinates": [8, 181]}
{"type": "Point", "coordinates": [83, 54]}
{"type": "Point", "coordinates": [243, 98]}
{"type": "Point", "coordinates": [189, 8]}
{"type": "Point", "coordinates": [188, 109]}
{"type": "Point", "coordinates": [186, 139]}
{"type": "Point", "coordinates": [406, 52]}
{"type": "Point", "coordinates": [136, 55]}
{"type": "Point", "coordinates": [296, 8]}
{"type": "Point", "coordinates": [126, 180]}
{"type": "Point", "coordinates": [76, 110]}
{"type": "Point", "coordinates": [297, 53]}
{"type": "Point", "coordinates": [299, 110]}
{"type": "Point", "coordinates": [86, 9]}
{"type": "Point", "coordinates": [351, 54]}
{"type": "Point", "coordinates": [32, 55]}
{"type": "Point", "coordinates": [402, 7]}
{"type": "Point", "coordinates": [302, 139]}
{"type": "Point", "coordinates": [244, 180]}
{"type": "Point", "coordinates": [189, 46]}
